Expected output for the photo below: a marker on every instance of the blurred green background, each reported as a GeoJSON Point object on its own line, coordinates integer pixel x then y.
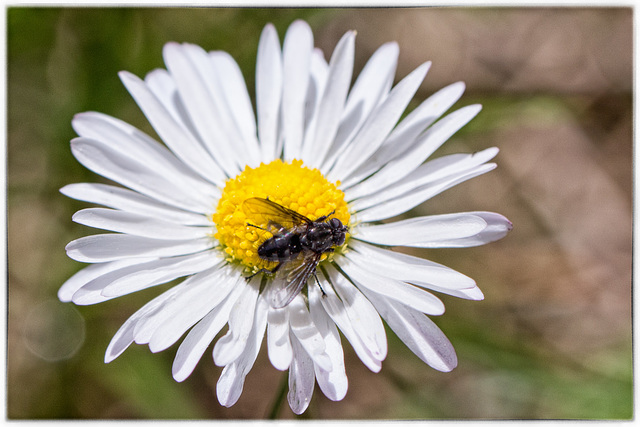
{"type": "Point", "coordinates": [551, 340]}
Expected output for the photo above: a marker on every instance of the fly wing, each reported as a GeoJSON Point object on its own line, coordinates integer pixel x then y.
{"type": "Point", "coordinates": [291, 278]}
{"type": "Point", "coordinates": [272, 213]}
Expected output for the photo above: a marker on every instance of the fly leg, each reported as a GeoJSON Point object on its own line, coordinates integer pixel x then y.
{"type": "Point", "coordinates": [272, 227]}
{"type": "Point", "coordinates": [324, 294]}
{"type": "Point", "coordinates": [322, 218]}
{"type": "Point", "coordinates": [265, 270]}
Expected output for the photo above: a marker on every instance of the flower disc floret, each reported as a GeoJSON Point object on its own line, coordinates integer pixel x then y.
{"type": "Point", "coordinates": [289, 184]}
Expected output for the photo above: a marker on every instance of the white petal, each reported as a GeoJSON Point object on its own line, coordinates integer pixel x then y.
{"type": "Point", "coordinates": [423, 116]}
{"type": "Point", "coordinates": [402, 292]}
{"type": "Point", "coordinates": [160, 183]}
{"type": "Point", "coordinates": [91, 272]}
{"type": "Point", "coordinates": [474, 293]}
{"type": "Point", "coordinates": [216, 103]}
{"type": "Point", "coordinates": [138, 225]}
{"type": "Point", "coordinates": [333, 383]}
{"type": "Point", "coordinates": [301, 379]}
{"type": "Point", "coordinates": [178, 137]}
{"type": "Point", "coordinates": [411, 199]}
{"type": "Point", "coordinates": [125, 335]}
{"type": "Point", "coordinates": [431, 173]}
{"type": "Point", "coordinates": [130, 141]}
{"type": "Point", "coordinates": [497, 227]}
{"type": "Point", "coordinates": [331, 106]}
{"type": "Point", "coordinates": [205, 292]}
{"type": "Point", "coordinates": [111, 247]}
{"type": "Point", "coordinates": [424, 146]}
{"type": "Point", "coordinates": [230, 384]}
{"type": "Point", "coordinates": [198, 339]}
{"type": "Point", "coordinates": [231, 380]}
{"type": "Point", "coordinates": [190, 67]}
{"type": "Point", "coordinates": [371, 86]}
{"type": "Point", "coordinates": [268, 91]}
{"type": "Point", "coordinates": [161, 84]}
{"type": "Point", "coordinates": [374, 81]}
{"type": "Point", "coordinates": [418, 332]}
{"type": "Point", "coordinates": [278, 341]}
{"type": "Point", "coordinates": [335, 308]}
{"type": "Point", "coordinates": [362, 317]}
{"type": "Point", "coordinates": [422, 232]}
{"type": "Point", "coordinates": [305, 330]}
{"type": "Point", "coordinates": [408, 268]}
{"type": "Point", "coordinates": [195, 287]}
{"type": "Point", "coordinates": [403, 137]}
{"type": "Point", "coordinates": [130, 201]}
{"type": "Point", "coordinates": [319, 73]}
{"type": "Point", "coordinates": [140, 276]}
{"type": "Point", "coordinates": [378, 125]}
{"type": "Point", "coordinates": [230, 347]}
{"type": "Point", "coordinates": [459, 230]}
{"type": "Point", "coordinates": [298, 45]}
{"type": "Point", "coordinates": [237, 98]}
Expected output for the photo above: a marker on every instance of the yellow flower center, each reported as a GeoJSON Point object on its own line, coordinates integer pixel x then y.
{"type": "Point", "coordinates": [290, 184]}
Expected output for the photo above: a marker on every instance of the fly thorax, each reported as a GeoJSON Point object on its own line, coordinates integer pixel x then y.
{"type": "Point", "coordinates": [318, 238]}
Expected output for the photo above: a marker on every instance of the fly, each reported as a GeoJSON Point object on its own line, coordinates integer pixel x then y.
{"type": "Point", "coordinates": [297, 246]}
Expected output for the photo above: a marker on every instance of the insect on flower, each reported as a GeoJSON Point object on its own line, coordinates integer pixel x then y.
{"type": "Point", "coordinates": [298, 244]}
{"type": "Point", "coordinates": [337, 160]}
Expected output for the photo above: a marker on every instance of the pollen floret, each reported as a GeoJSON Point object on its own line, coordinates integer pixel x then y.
{"type": "Point", "coordinates": [289, 184]}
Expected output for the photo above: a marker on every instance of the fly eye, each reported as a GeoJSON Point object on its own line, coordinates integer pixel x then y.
{"type": "Point", "coordinates": [335, 223]}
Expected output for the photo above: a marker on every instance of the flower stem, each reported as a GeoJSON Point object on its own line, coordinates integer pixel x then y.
{"type": "Point", "coordinates": [277, 403]}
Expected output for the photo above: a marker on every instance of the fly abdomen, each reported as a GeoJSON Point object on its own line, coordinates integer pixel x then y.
{"type": "Point", "coordinates": [280, 248]}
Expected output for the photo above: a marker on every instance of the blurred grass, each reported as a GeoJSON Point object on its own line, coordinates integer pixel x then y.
{"type": "Point", "coordinates": [62, 61]}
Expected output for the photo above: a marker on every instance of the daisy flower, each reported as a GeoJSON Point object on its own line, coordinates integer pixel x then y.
{"type": "Point", "coordinates": [204, 206]}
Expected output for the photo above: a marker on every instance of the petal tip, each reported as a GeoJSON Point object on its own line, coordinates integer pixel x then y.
{"type": "Point", "coordinates": [126, 75]}
{"type": "Point", "coordinates": [300, 24]}
{"type": "Point", "coordinates": [109, 356]}
{"type": "Point", "coordinates": [269, 30]}
{"type": "Point", "coordinates": [64, 296]}
{"type": "Point", "coordinates": [179, 375]}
